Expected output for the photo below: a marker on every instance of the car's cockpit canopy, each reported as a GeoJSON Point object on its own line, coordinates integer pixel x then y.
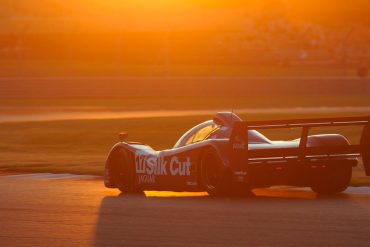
{"type": "Point", "coordinates": [218, 128]}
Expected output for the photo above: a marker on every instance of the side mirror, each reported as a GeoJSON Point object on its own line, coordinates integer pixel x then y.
{"type": "Point", "coordinates": [122, 136]}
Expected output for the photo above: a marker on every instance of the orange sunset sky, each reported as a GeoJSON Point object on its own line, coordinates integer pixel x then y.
{"type": "Point", "coordinates": [147, 15]}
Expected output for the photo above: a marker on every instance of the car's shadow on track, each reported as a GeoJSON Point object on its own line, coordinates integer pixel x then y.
{"type": "Point", "coordinates": [145, 218]}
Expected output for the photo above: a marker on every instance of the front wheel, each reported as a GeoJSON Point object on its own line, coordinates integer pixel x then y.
{"type": "Point", "coordinates": [333, 180]}
{"type": "Point", "coordinates": [122, 170]}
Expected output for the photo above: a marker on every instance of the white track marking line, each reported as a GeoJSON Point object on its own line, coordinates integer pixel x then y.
{"type": "Point", "coordinates": [48, 176]}
{"type": "Point", "coordinates": [123, 114]}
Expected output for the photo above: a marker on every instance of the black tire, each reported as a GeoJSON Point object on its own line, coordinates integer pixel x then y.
{"type": "Point", "coordinates": [122, 170]}
{"type": "Point", "coordinates": [216, 179]}
{"type": "Point", "coordinates": [333, 180]}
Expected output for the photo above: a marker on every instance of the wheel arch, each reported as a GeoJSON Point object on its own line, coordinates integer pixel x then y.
{"type": "Point", "coordinates": [226, 185]}
{"type": "Point", "coordinates": [109, 163]}
{"type": "Point", "coordinates": [337, 177]}
{"type": "Point", "coordinates": [220, 149]}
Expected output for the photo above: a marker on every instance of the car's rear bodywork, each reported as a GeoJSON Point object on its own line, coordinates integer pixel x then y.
{"type": "Point", "coordinates": [247, 157]}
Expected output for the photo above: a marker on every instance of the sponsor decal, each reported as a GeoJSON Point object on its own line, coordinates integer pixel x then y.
{"type": "Point", "coordinates": [238, 146]}
{"type": "Point", "coordinates": [238, 143]}
{"type": "Point", "coordinates": [146, 179]}
{"type": "Point", "coordinates": [240, 173]}
{"type": "Point", "coordinates": [191, 183]}
{"type": "Point", "coordinates": [178, 167]}
{"type": "Point", "coordinates": [149, 166]}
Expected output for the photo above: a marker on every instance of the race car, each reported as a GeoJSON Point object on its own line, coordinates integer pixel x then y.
{"type": "Point", "coordinates": [228, 156]}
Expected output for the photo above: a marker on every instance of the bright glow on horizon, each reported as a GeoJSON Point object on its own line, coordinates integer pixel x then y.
{"type": "Point", "coordinates": [182, 14]}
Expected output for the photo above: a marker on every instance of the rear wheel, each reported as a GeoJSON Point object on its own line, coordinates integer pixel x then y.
{"type": "Point", "coordinates": [122, 171]}
{"type": "Point", "coordinates": [333, 180]}
{"type": "Point", "coordinates": [216, 179]}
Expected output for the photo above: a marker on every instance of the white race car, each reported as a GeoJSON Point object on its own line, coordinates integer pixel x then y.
{"type": "Point", "coordinates": [228, 156]}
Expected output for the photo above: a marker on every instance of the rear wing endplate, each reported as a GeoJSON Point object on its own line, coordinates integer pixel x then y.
{"type": "Point", "coordinates": [239, 140]}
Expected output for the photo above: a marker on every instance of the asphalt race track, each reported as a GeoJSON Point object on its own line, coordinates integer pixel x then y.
{"type": "Point", "coordinates": [81, 212]}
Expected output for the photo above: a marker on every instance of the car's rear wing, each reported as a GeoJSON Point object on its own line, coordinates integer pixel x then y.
{"type": "Point", "coordinates": [239, 140]}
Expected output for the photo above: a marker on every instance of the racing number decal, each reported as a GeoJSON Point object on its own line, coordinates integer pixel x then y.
{"type": "Point", "coordinates": [149, 166]}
